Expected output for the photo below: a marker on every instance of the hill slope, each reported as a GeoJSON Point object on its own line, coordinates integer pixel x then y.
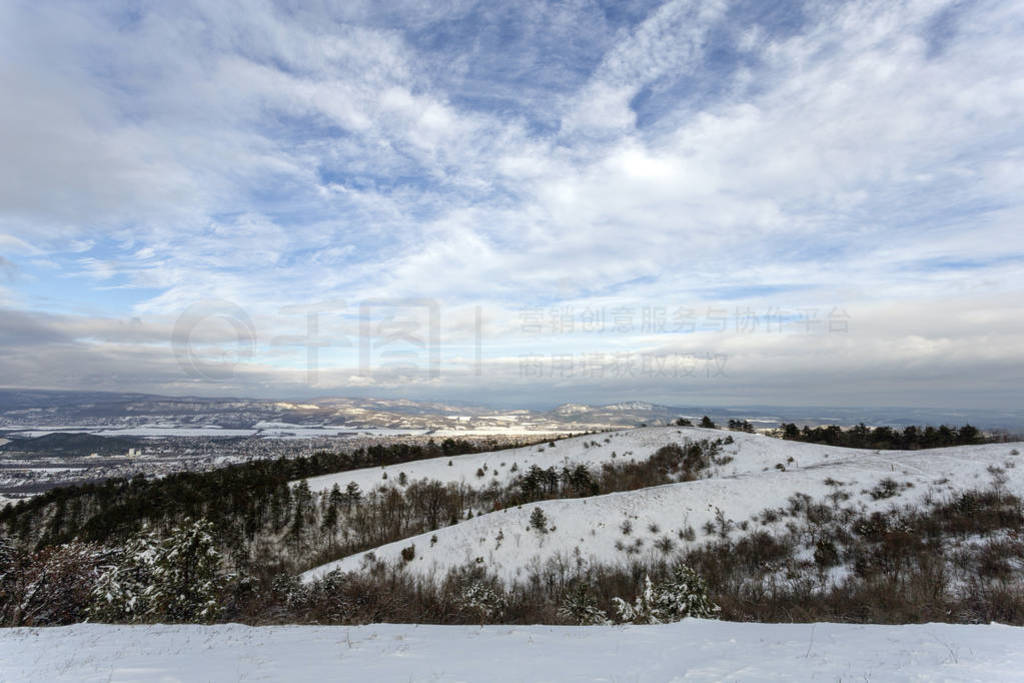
{"type": "Point", "coordinates": [591, 450]}
{"type": "Point", "coordinates": [764, 473]}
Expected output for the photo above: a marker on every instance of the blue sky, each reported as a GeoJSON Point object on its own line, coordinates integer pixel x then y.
{"type": "Point", "coordinates": [826, 195]}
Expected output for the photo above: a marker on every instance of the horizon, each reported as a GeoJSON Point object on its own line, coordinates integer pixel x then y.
{"type": "Point", "coordinates": [685, 203]}
{"type": "Point", "coordinates": [1008, 421]}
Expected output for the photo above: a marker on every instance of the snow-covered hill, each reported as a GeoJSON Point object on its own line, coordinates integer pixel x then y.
{"type": "Point", "coordinates": [591, 450]}
{"type": "Point", "coordinates": [764, 473]}
{"type": "Point", "coordinates": [691, 650]}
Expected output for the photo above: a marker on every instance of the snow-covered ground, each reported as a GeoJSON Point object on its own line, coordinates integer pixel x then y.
{"type": "Point", "coordinates": [689, 650]}
{"type": "Point", "coordinates": [630, 444]}
{"type": "Point", "coordinates": [591, 529]}
{"type": "Point", "coordinates": [513, 431]}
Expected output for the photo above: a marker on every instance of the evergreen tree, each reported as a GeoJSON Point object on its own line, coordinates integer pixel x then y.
{"type": "Point", "coordinates": [642, 609]}
{"type": "Point", "coordinates": [333, 503]}
{"type": "Point", "coordinates": [177, 578]}
{"type": "Point", "coordinates": [683, 594]}
{"type": "Point", "coordinates": [538, 520]}
{"type": "Point", "coordinates": [353, 495]}
{"type": "Point", "coordinates": [580, 607]}
{"type": "Point", "coordinates": [188, 574]}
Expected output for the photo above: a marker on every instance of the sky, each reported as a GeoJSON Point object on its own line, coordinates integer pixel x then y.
{"type": "Point", "coordinates": [528, 203]}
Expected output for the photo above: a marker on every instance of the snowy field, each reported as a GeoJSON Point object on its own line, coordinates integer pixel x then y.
{"type": "Point", "coordinates": [626, 444]}
{"type": "Point", "coordinates": [589, 529]}
{"type": "Point", "coordinates": [689, 650]}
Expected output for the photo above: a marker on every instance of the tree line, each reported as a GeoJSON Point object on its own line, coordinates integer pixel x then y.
{"type": "Point", "coordinates": [884, 437]}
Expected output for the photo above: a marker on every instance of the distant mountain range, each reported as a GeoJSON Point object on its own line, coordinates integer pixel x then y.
{"type": "Point", "coordinates": [26, 409]}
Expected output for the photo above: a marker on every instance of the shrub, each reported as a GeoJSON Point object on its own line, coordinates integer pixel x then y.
{"type": "Point", "coordinates": [49, 587]}
{"type": "Point", "coordinates": [409, 553]}
{"type": "Point", "coordinates": [886, 488]}
{"type": "Point", "coordinates": [482, 599]}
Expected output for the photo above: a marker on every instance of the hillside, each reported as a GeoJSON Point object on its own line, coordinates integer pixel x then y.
{"type": "Point", "coordinates": [764, 474]}
{"type": "Point", "coordinates": [590, 450]}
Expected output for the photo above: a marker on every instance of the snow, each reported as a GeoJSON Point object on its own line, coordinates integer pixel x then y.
{"type": "Point", "coordinates": [206, 430]}
{"type": "Point", "coordinates": [510, 431]}
{"type": "Point", "coordinates": [52, 469]}
{"type": "Point", "coordinates": [464, 467]}
{"type": "Point", "coordinates": [587, 529]}
{"type": "Point", "coordinates": [270, 430]}
{"type": "Point", "coordinates": [692, 649]}
{"type": "Point", "coordinates": [154, 430]}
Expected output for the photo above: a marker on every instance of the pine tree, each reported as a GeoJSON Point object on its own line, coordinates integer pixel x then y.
{"type": "Point", "coordinates": [580, 607]}
{"type": "Point", "coordinates": [120, 594]}
{"type": "Point", "coordinates": [332, 510]}
{"type": "Point", "coordinates": [538, 520]}
{"type": "Point", "coordinates": [177, 578]}
{"type": "Point", "coordinates": [642, 609]}
{"type": "Point", "coordinates": [188, 574]}
{"type": "Point", "coordinates": [352, 495]}
{"type": "Point", "coordinates": [683, 594]}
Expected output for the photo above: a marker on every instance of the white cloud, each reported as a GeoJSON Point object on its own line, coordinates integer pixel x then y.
{"type": "Point", "coordinates": [273, 158]}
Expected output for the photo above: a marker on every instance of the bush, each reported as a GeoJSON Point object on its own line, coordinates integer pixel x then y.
{"type": "Point", "coordinates": [409, 553]}
{"type": "Point", "coordinates": [886, 488]}
{"type": "Point", "coordinates": [49, 587]}
{"type": "Point", "coordinates": [483, 599]}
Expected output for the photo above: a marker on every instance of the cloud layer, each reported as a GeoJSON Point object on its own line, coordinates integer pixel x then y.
{"type": "Point", "coordinates": [691, 161]}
